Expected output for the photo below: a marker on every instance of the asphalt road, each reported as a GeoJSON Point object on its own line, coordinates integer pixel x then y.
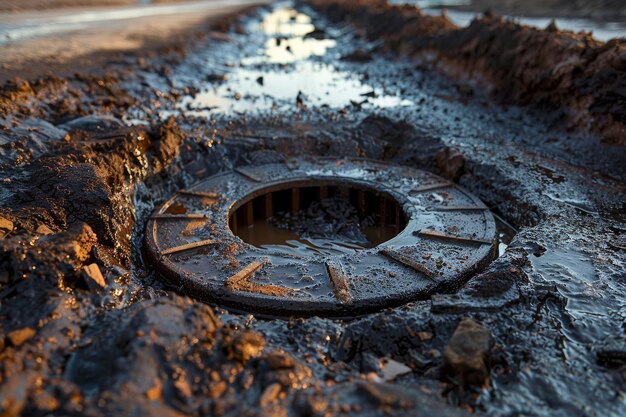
{"type": "Point", "coordinates": [37, 43]}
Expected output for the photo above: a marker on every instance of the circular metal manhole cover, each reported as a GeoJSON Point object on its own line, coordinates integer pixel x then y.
{"type": "Point", "coordinates": [439, 234]}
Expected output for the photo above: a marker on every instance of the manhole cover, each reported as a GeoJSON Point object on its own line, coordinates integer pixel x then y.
{"type": "Point", "coordinates": [322, 236]}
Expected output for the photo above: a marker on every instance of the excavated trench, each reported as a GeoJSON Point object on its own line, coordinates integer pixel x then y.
{"type": "Point", "coordinates": [427, 251]}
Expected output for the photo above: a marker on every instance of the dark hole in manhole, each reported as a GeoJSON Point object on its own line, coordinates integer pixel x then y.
{"type": "Point", "coordinates": [333, 214]}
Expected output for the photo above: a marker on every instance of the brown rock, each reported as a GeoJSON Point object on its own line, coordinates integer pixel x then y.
{"type": "Point", "coordinates": [84, 242]}
{"type": "Point", "coordinates": [93, 277]}
{"type": "Point", "coordinates": [467, 354]}
{"type": "Point", "coordinates": [450, 162]}
{"type": "Point", "coordinates": [19, 336]}
{"type": "Point", "coordinates": [42, 229]}
{"type": "Point", "coordinates": [278, 359]}
{"type": "Point", "coordinates": [246, 345]}
{"type": "Point", "coordinates": [285, 370]}
{"type": "Point", "coordinates": [6, 226]}
{"type": "Point", "coordinates": [154, 393]}
{"type": "Point", "coordinates": [217, 389]}
{"type": "Point", "coordinates": [183, 387]}
{"type": "Point", "coordinates": [270, 394]}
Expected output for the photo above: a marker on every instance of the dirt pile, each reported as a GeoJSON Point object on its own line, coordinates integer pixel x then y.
{"type": "Point", "coordinates": [606, 10]}
{"type": "Point", "coordinates": [583, 78]}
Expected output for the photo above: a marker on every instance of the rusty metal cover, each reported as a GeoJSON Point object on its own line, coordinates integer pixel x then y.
{"type": "Point", "coordinates": [449, 235]}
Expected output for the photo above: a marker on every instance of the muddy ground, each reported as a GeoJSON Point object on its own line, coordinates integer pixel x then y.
{"type": "Point", "coordinates": [604, 10]}
{"type": "Point", "coordinates": [88, 328]}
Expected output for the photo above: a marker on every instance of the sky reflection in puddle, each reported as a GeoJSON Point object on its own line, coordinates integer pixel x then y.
{"type": "Point", "coordinates": [319, 83]}
{"type": "Point", "coordinates": [284, 69]}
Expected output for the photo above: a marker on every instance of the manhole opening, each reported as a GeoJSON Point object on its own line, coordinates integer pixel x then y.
{"type": "Point", "coordinates": [284, 239]}
{"type": "Point", "coordinates": [328, 214]}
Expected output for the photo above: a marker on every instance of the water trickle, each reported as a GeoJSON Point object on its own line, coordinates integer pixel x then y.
{"type": "Point", "coordinates": [286, 73]}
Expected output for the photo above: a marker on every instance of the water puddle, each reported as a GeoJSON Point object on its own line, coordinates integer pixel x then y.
{"type": "Point", "coordinates": [506, 233]}
{"type": "Point", "coordinates": [591, 317]}
{"type": "Point", "coordinates": [287, 22]}
{"type": "Point", "coordinates": [287, 73]}
{"type": "Point", "coordinates": [311, 84]}
{"type": "Point", "coordinates": [303, 221]}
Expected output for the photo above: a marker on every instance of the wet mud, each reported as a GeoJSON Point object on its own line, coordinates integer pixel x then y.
{"type": "Point", "coordinates": [581, 77]}
{"type": "Point", "coordinates": [87, 327]}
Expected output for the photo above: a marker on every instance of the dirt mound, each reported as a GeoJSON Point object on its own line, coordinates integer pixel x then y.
{"type": "Point", "coordinates": [583, 78]}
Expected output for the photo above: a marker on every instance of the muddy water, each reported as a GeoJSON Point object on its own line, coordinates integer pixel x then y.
{"type": "Point", "coordinates": [285, 71]}
{"type": "Point", "coordinates": [322, 225]}
{"type": "Point", "coordinates": [588, 313]}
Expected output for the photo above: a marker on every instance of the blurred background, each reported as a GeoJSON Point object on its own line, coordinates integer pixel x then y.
{"type": "Point", "coordinates": [609, 10]}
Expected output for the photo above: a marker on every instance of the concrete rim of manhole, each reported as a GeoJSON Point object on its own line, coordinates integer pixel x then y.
{"type": "Point", "coordinates": [448, 235]}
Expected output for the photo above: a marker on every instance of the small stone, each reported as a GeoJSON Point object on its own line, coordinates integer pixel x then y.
{"type": "Point", "coordinates": [300, 100]}
{"type": "Point", "coordinates": [280, 360]}
{"type": "Point", "coordinates": [183, 387]}
{"type": "Point", "coordinates": [154, 393]}
{"type": "Point", "coordinates": [6, 226]}
{"type": "Point", "coordinates": [270, 394]}
{"type": "Point", "coordinates": [392, 369]}
{"type": "Point", "coordinates": [246, 345]}
{"type": "Point", "coordinates": [451, 163]}
{"type": "Point", "coordinates": [424, 336]}
{"type": "Point", "coordinates": [44, 230]}
{"type": "Point", "coordinates": [489, 13]}
{"type": "Point", "coordinates": [552, 27]}
{"type": "Point", "coordinates": [19, 336]}
{"type": "Point", "coordinates": [467, 355]}
{"type": "Point", "coordinates": [217, 389]}
{"type": "Point", "coordinates": [93, 277]}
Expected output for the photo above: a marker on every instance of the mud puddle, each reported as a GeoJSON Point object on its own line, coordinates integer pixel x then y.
{"type": "Point", "coordinates": [291, 68]}
{"type": "Point", "coordinates": [328, 226]}
{"type": "Point", "coordinates": [332, 226]}
{"type": "Point", "coordinates": [591, 316]}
